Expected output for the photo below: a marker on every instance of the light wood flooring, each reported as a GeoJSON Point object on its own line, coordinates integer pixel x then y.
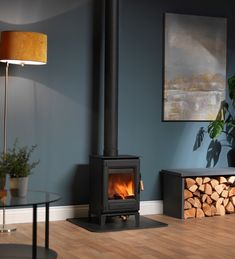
{"type": "Point", "coordinates": [194, 239]}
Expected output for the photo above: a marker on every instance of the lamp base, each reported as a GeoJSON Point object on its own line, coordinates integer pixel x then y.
{"type": "Point", "coordinates": [7, 229]}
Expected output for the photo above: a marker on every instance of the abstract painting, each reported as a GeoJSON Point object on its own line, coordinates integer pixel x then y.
{"type": "Point", "coordinates": [194, 67]}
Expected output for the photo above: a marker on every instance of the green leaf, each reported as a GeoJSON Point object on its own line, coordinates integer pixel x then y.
{"type": "Point", "coordinates": [231, 87]}
{"type": "Point", "coordinates": [215, 129]}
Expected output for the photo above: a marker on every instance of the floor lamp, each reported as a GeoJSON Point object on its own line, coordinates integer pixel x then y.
{"type": "Point", "coordinates": [20, 48]}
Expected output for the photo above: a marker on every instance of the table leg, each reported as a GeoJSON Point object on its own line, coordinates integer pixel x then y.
{"type": "Point", "coordinates": [34, 245]}
{"type": "Point", "coordinates": [47, 226]}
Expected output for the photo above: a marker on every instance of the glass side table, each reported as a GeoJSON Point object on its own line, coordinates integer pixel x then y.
{"type": "Point", "coordinates": [33, 199]}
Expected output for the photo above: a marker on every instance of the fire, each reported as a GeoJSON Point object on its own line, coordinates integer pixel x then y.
{"type": "Point", "coordinates": [120, 186]}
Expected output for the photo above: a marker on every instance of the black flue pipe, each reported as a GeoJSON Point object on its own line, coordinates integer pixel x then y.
{"type": "Point", "coordinates": [111, 78]}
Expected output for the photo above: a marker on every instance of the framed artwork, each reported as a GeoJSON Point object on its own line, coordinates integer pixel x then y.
{"type": "Point", "coordinates": [194, 67]}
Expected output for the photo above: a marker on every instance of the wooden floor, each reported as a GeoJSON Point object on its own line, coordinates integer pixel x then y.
{"type": "Point", "coordinates": [194, 239]}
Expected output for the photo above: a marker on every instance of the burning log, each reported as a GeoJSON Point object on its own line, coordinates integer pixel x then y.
{"type": "Point", "coordinates": [117, 196]}
{"type": "Point", "coordinates": [121, 187]}
{"type": "Point", "coordinates": [130, 197]}
{"type": "Point", "coordinates": [209, 196]}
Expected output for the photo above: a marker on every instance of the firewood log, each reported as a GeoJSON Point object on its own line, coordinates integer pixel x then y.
{"type": "Point", "coordinates": [204, 197]}
{"type": "Point", "coordinates": [208, 189]}
{"type": "Point", "coordinates": [214, 183]}
{"type": "Point", "coordinates": [215, 196]}
{"type": "Point", "coordinates": [199, 213]}
{"type": "Point", "coordinates": [229, 208]}
{"type": "Point", "coordinates": [197, 203]}
{"type": "Point", "coordinates": [201, 188]}
{"type": "Point", "coordinates": [187, 194]}
{"type": "Point", "coordinates": [220, 211]}
{"type": "Point", "coordinates": [206, 179]}
{"type": "Point", "coordinates": [199, 181]}
{"type": "Point", "coordinates": [222, 180]}
{"type": "Point", "coordinates": [206, 209]}
{"type": "Point", "coordinates": [191, 201]}
{"type": "Point", "coordinates": [187, 205]}
{"type": "Point", "coordinates": [231, 179]}
{"type": "Point", "coordinates": [219, 202]}
{"type": "Point", "coordinates": [224, 194]}
{"type": "Point", "coordinates": [225, 202]}
{"type": "Point", "coordinates": [193, 188]}
{"type": "Point", "coordinates": [219, 188]}
{"type": "Point", "coordinates": [232, 199]}
{"type": "Point", "coordinates": [189, 182]}
{"type": "Point", "coordinates": [191, 213]}
{"type": "Point", "coordinates": [208, 199]}
{"type": "Point", "coordinates": [231, 192]}
{"type": "Point", "coordinates": [213, 210]}
{"type": "Point", "coordinates": [197, 193]}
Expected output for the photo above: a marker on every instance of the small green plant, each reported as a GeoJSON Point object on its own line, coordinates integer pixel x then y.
{"type": "Point", "coordinates": [16, 161]}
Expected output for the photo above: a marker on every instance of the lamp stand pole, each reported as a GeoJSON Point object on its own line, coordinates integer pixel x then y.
{"type": "Point", "coordinates": [4, 228]}
{"type": "Point", "coordinates": [5, 111]}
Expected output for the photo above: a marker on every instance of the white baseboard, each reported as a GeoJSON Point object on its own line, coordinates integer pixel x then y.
{"type": "Point", "coordinates": [14, 216]}
{"type": "Point", "coordinates": [151, 207]}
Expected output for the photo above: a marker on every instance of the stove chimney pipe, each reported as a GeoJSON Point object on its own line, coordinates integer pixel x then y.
{"type": "Point", "coordinates": [111, 79]}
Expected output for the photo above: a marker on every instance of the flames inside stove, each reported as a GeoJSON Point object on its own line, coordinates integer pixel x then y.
{"type": "Point", "coordinates": [121, 185]}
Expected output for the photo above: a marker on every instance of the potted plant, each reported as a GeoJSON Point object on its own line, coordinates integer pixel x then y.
{"type": "Point", "coordinates": [16, 163]}
{"type": "Point", "coordinates": [223, 124]}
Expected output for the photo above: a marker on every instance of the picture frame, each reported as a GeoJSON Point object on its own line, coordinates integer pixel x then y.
{"type": "Point", "coordinates": [194, 67]}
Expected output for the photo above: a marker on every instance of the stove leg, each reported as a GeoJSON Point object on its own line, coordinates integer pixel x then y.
{"type": "Point", "coordinates": [137, 219]}
{"type": "Point", "coordinates": [102, 220]}
{"type": "Point", "coordinates": [89, 215]}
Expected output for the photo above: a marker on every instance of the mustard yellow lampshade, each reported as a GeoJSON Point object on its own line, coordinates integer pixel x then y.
{"type": "Point", "coordinates": [23, 48]}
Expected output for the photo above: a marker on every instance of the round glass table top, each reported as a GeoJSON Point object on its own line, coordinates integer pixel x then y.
{"type": "Point", "coordinates": [32, 198]}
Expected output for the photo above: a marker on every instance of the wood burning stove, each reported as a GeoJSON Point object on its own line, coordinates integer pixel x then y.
{"type": "Point", "coordinates": [114, 179]}
{"type": "Point", "coordinates": [114, 185]}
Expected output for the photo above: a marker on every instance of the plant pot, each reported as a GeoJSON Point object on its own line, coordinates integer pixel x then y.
{"type": "Point", "coordinates": [19, 186]}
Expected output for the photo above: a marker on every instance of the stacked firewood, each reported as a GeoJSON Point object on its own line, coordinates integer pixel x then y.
{"type": "Point", "coordinates": [206, 196]}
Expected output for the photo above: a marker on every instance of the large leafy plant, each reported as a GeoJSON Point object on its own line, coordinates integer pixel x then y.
{"type": "Point", "coordinates": [223, 124]}
{"type": "Point", "coordinates": [225, 120]}
{"type": "Point", "coordinates": [16, 161]}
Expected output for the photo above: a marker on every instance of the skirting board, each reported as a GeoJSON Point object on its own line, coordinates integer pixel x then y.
{"type": "Point", "coordinates": [24, 215]}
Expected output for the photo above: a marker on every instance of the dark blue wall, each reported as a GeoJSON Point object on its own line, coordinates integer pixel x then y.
{"type": "Point", "coordinates": [59, 106]}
